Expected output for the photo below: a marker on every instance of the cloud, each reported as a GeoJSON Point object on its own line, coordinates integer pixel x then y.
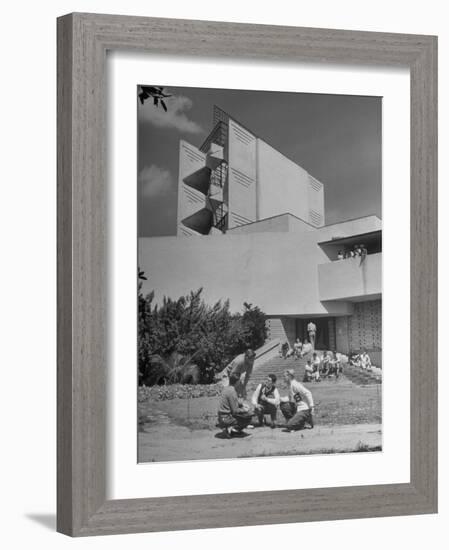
{"type": "Point", "coordinates": [155, 181]}
{"type": "Point", "coordinates": [175, 116]}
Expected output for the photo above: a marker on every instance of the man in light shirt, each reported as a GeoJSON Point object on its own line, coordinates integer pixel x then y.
{"type": "Point", "coordinates": [316, 367]}
{"type": "Point", "coordinates": [266, 400]}
{"type": "Point", "coordinates": [297, 348]}
{"type": "Point", "coordinates": [311, 330]}
{"type": "Point", "coordinates": [365, 361]}
{"type": "Point", "coordinates": [298, 407]}
{"type": "Point", "coordinates": [307, 348]}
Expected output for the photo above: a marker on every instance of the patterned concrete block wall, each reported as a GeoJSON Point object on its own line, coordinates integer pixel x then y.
{"type": "Point", "coordinates": [332, 335]}
{"type": "Point", "coordinates": [341, 334]}
{"type": "Point", "coordinates": [362, 330]}
{"type": "Point", "coordinates": [365, 326]}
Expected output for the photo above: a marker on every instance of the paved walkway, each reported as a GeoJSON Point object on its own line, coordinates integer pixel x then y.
{"type": "Point", "coordinates": [186, 444]}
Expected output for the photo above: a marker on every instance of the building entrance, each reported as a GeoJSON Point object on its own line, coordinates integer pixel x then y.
{"type": "Point", "coordinates": [325, 332]}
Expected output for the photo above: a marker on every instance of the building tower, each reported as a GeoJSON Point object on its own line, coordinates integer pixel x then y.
{"type": "Point", "coordinates": [236, 178]}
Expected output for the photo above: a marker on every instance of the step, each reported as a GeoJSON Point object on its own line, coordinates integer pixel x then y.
{"type": "Point", "coordinates": [278, 365]}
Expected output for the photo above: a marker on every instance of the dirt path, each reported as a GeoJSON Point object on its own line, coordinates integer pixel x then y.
{"type": "Point", "coordinates": [164, 441]}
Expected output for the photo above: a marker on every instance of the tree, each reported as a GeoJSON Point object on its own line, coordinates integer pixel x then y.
{"type": "Point", "coordinates": [253, 321]}
{"type": "Point", "coordinates": [188, 338]}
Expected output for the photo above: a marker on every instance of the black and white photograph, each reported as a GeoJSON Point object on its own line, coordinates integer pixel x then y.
{"type": "Point", "coordinates": [259, 273]}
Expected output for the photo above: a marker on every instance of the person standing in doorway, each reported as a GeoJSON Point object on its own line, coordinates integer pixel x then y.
{"type": "Point", "coordinates": [311, 330]}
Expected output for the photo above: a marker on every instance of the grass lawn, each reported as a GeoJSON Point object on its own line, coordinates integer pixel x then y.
{"type": "Point", "coordinates": [336, 403]}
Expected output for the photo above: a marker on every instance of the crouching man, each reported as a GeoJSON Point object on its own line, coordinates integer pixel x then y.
{"type": "Point", "coordinates": [266, 400]}
{"type": "Point", "coordinates": [298, 407]}
{"type": "Point", "coordinates": [233, 417]}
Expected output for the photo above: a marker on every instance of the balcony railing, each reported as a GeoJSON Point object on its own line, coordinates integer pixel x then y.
{"type": "Point", "coordinates": [351, 278]}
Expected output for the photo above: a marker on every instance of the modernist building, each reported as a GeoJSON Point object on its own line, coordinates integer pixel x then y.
{"type": "Point", "coordinates": [236, 178]}
{"type": "Point", "coordinates": [267, 243]}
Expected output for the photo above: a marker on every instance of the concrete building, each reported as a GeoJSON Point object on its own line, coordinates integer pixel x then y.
{"type": "Point", "coordinates": [267, 243]}
{"type": "Point", "coordinates": [236, 178]}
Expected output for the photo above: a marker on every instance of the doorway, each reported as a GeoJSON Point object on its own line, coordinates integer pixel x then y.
{"type": "Point", "coordinates": [325, 332]}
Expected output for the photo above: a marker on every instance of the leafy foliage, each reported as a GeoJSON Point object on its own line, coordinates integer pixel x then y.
{"type": "Point", "coordinates": [155, 92]}
{"type": "Point", "coordinates": [188, 341]}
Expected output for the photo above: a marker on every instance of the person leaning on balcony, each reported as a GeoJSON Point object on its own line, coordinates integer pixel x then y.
{"type": "Point", "coordinates": [358, 250]}
{"type": "Point", "coordinates": [297, 407]}
{"type": "Point", "coordinates": [363, 253]}
{"type": "Point", "coordinates": [232, 416]}
{"type": "Point", "coordinates": [242, 367]}
{"type": "Point", "coordinates": [340, 255]}
{"type": "Point", "coordinates": [266, 400]}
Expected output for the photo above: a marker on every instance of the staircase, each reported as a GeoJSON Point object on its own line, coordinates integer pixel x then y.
{"type": "Point", "coordinates": [277, 365]}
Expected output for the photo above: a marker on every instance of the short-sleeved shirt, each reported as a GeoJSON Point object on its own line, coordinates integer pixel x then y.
{"type": "Point", "coordinates": [238, 366]}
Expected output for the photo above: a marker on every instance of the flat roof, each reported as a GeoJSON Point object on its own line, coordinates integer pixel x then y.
{"type": "Point", "coordinates": [367, 237]}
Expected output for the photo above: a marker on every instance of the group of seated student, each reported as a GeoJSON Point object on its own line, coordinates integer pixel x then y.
{"type": "Point", "coordinates": [359, 250]}
{"type": "Point", "coordinates": [317, 368]}
{"type": "Point", "coordinates": [297, 407]}
{"type": "Point", "coordinates": [361, 360]}
{"type": "Point", "coordinates": [285, 350]}
{"type": "Point", "coordinates": [298, 350]}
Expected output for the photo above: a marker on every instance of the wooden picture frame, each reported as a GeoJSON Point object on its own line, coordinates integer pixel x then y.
{"type": "Point", "coordinates": [83, 40]}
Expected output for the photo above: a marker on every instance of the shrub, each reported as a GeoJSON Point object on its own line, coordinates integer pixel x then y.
{"type": "Point", "coordinates": [187, 340]}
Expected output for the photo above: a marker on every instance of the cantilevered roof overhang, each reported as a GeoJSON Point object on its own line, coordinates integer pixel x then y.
{"type": "Point", "coordinates": [361, 238]}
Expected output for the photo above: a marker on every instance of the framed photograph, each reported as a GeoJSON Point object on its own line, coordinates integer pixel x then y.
{"type": "Point", "coordinates": [247, 280]}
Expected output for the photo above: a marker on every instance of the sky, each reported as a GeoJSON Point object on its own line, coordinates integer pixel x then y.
{"type": "Point", "coordinates": [336, 138]}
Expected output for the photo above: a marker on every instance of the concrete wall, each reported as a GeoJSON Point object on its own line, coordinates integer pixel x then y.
{"type": "Point", "coordinates": [315, 196]}
{"type": "Point", "coordinates": [282, 184]}
{"type": "Point", "coordinates": [261, 183]}
{"type": "Point", "coordinates": [282, 328]}
{"type": "Point", "coordinates": [343, 279]}
{"type": "Point", "coordinates": [362, 330]}
{"type": "Point", "coordinates": [276, 271]}
{"type": "Point", "coordinates": [341, 335]}
{"type": "Point", "coordinates": [241, 176]}
{"type": "Point", "coordinates": [276, 224]}
{"type": "Point", "coordinates": [349, 228]}
{"type": "Point", "coordinates": [365, 326]}
{"type": "Point", "coordinates": [189, 200]}
{"type": "Point", "coordinates": [270, 225]}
